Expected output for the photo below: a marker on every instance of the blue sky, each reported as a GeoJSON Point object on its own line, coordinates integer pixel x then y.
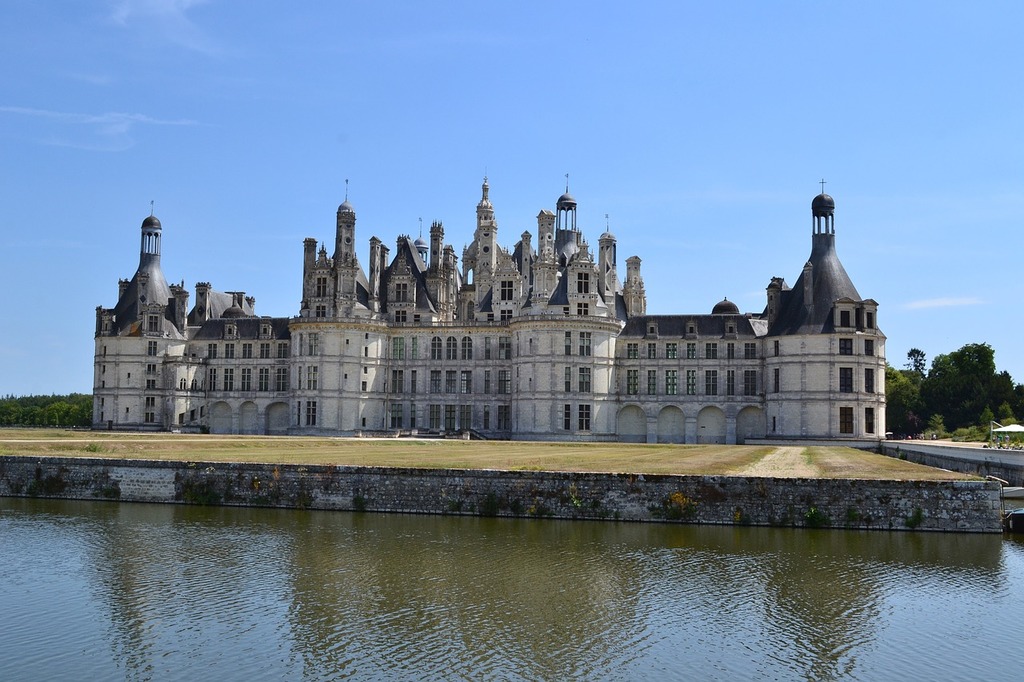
{"type": "Point", "coordinates": [700, 129]}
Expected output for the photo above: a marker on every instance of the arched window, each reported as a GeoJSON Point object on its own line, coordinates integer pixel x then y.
{"type": "Point", "coordinates": [435, 348]}
{"type": "Point", "coordinates": [452, 348]}
{"type": "Point", "coordinates": [467, 348]}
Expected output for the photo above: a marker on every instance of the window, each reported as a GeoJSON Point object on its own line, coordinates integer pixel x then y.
{"type": "Point", "coordinates": [582, 283]}
{"type": "Point", "coordinates": [568, 343]}
{"type": "Point", "coordinates": [844, 320]}
{"type": "Point", "coordinates": [246, 382]}
{"type": "Point", "coordinates": [282, 349]}
{"type": "Point", "coordinates": [691, 382]}
{"type": "Point", "coordinates": [487, 348]}
{"type": "Point", "coordinates": [504, 381]}
{"type": "Point", "coordinates": [749, 351]}
{"type": "Point", "coordinates": [436, 352]}
{"type": "Point", "coordinates": [151, 348]}
{"type": "Point", "coordinates": [264, 379]}
{"type": "Point", "coordinates": [153, 322]}
{"type": "Point", "coordinates": [151, 384]}
{"type": "Point", "coordinates": [397, 414]}
{"type": "Point", "coordinates": [246, 351]}
{"type": "Point", "coordinates": [229, 350]}
{"type": "Point", "coordinates": [211, 351]}
{"type": "Point", "coordinates": [652, 351]}
{"type": "Point", "coordinates": [632, 351]}
{"type": "Point", "coordinates": [281, 379]}
{"type": "Point", "coordinates": [671, 351]}
{"type": "Point", "coordinates": [504, 347]}
{"type": "Point", "coordinates": [313, 344]}
{"type": "Point", "coordinates": [401, 292]}
{"type": "Point", "coordinates": [869, 419]}
{"type": "Point", "coordinates": [321, 287]}
{"type": "Point", "coordinates": [750, 382]}
{"type": "Point", "coordinates": [398, 348]}
{"type": "Point", "coordinates": [582, 309]}
{"type": "Point", "coordinates": [691, 351]}
{"type": "Point", "coordinates": [711, 351]}
{"type": "Point", "coordinates": [869, 322]}
{"type": "Point", "coordinates": [435, 381]}
{"type": "Point", "coordinates": [412, 387]}
{"type": "Point", "coordinates": [466, 381]}
{"type": "Point", "coordinates": [487, 417]}
{"type": "Point", "coordinates": [730, 382]}
{"type": "Point", "coordinates": [397, 381]}
{"type": "Point", "coordinates": [869, 346]}
{"type": "Point", "coordinates": [671, 382]}
{"type": "Point", "coordinates": [151, 368]}
{"type": "Point", "coordinates": [506, 290]}
{"type": "Point", "coordinates": [846, 379]}
{"type": "Point", "coordinates": [652, 382]}
{"type": "Point", "coordinates": [567, 417]}
{"type": "Point", "coordinates": [467, 348]}
{"type": "Point", "coordinates": [487, 381]}
{"type": "Point", "coordinates": [583, 418]}
{"type": "Point", "coordinates": [451, 348]}
{"type": "Point", "coordinates": [584, 380]}
{"type": "Point", "coordinates": [711, 382]}
{"type": "Point", "coordinates": [465, 416]}
{"type": "Point", "coordinates": [869, 380]}
{"type": "Point", "coordinates": [434, 417]}
{"type": "Point", "coordinates": [312, 376]}
{"type": "Point", "coordinates": [449, 417]}
{"type": "Point", "coordinates": [730, 351]}
{"type": "Point", "coordinates": [776, 348]}
{"type": "Point", "coordinates": [211, 379]}
{"type": "Point", "coordinates": [310, 413]}
{"type": "Point", "coordinates": [504, 417]}
{"type": "Point", "coordinates": [846, 346]}
{"type": "Point", "coordinates": [775, 380]}
{"type": "Point", "coordinates": [632, 381]}
{"type": "Point", "coordinates": [320, 310]}
{"type": "Point", "coordinates": [568, 379]}
{"type": "Point", "coordinates": [845, 420]}
{"type": "Point", "coordinates": [229, 379]}
{"type": "Point", "coordinates": [264, 351]}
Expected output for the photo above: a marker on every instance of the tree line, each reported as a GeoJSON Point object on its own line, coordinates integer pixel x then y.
{"type": "Point", "coordinates": [74, 409]}
{"type": "Point", "coordinates": [960, 394]}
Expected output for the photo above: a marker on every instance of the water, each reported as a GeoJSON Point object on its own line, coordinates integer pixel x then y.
{"type": "Point", "coordinates": [101, 591]}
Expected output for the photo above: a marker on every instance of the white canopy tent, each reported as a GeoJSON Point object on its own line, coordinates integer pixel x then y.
{"type": "Point", "coordinates": [1010, 431]}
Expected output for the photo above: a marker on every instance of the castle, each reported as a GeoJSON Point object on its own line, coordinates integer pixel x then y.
{"type": "Point", "coordinates": [537, 342]}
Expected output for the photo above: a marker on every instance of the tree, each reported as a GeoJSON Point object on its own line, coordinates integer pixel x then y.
{"type": "Point", "coordinates": [902, 401]}
{"type": "Point", "coordinates": [962, 384]}
{"type": "Point", "coordinates": [916, 361]}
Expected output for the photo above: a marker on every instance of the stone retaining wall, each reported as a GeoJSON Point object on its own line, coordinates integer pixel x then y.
{"type": "Point", "coordinates": [965, 506]}
{"type": "Point", "coordinates": [1005, 464]}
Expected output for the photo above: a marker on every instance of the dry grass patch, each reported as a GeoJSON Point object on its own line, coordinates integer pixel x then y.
{"type": "Point", "coordinates": [829, 462]}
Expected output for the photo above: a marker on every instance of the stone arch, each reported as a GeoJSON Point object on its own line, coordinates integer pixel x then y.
{"type": "Point", "coordinates": [277, 419]}
{"type": "Point", "coordinates": [631, 424]}
{"type": "Point", "coordinates": [750, 424]}
{"type": "Point", "coordinates": [671, 425]}
{"type": "Point", "coordinates": [220, 417]}
{"type": "Point", "coordinates": [248, 418]}
{"type": "Point", "coordinates": [711, 425]}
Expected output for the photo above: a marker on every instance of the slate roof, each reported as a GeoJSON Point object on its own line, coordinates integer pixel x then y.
{"type": "Point", "coordinates": [829, 284]}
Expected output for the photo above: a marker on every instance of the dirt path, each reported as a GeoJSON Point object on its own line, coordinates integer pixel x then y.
{"type": "Point", "coordinates": [785, 462]}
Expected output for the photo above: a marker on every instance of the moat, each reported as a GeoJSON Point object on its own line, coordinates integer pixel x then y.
{"type": "Point", "coordinates": [103, 590]}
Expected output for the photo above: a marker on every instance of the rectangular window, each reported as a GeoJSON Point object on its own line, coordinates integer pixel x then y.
{"type": "Point", "coordinates": [583, 417]}
{"type": "Point", "coordinates": [449, 380]}
{"type": "Point", "coordinates": [449, 417]}
{"type": "Point", "coordinates": [320, 310]}
{"type": "Point", "coordinates": [414, 351]}
{"type": "Point", "coordinates": [401, 292]}
{"type": "Point", "coordinates": [154, 323]}
{"type": "Point", "coordinates": [671, 382]}
{"type": "Point", "coordinates": [652, 382]}
{"type": "Point", "coordinates": [711, 351]}
{"type": "Point", "coordinates": [869, 347]}
{"type": "Point", "coordinates": [844, 320]}
{"type": "Point", "coordinates": [397, 381]}
{"type": "Point", "coordinates": [652, 351]}
{"type": "Point", "coordinates": [151, 348]}
{"type": "Point", "coordinates": [282, 349]}
{"type": "Point", "coordinates": [691, 382]}
{"type": "Point", "coordinates": [504, 381]}
{"type": "Point", "coordinates": [412, 385]}
{"type": "Point", "coordinates": [487, 381]}
{"type": "Point", "coordinates": [321, 287]}
{"type": "Point", "coordinates": [585, 348]}
{"type": "Point", "coordinates": [506, 290]}
{"type": "Point", "coordinates": [435, 381]}
{"type": "Point", "coordinates": [750, 382]}
{"type": "Point", "coordinates": [246, 383]}
{"type": "Point", "coordinates": [313, 344]}
{"type": "Point", "coordinates": [869, 322]}
{"type": "Point", "coordinates": [264, 380]}
{"type": "Point", "coordinates": [435, 417]}
{"type": "Point", "coordinates": [504, 417]}
{"type": "Point", "coordinates": [632, 351]}
{"type": "Point", "coordinates": [711, 382]}
{"type": "Point", "coordinates": [229, 350]}
{"type": "Point", "coordinates": [397, 413]}
{"type": "Point", "coordinates": [567, 417]}
{"type": "Point", "coordinates": [869, 380]}
{"type": "Point", "coordinates": [582, 283]}
{"type": "Point", "coordinates": [671, 351]}
{"type": "Point", "coordinates": [584, 380]}
{"type": "Point", "coordinates": [281, 379]}
{"type": "Point", "coordinates": [505, 314]}
{"type": "Point", "coordinates": [398, 348]}
{"type": "Point", "coordinates": [632, 381]}
{"type": "Point", "coordinates": [846, 379]}
{"type": "Point", "coordinates": [568, 343]}
{"type": "Point", "coordinates": [775, 380]}
{"type": "Point", "coordinates": [749, 351]}
{"type": "Point", "coordinates": [730, 382]}
{"type": "Point", "coordinates": [247, 351]}
{"type": "Point", "coordinates": [691, 351]}
{"type": "Point", "coordinates": [211, 351]}
{"type": "Point", "coordinates": [312, 376]}
{"type": "Point", "coordinates": [846, 346]}
{"type": "Point", "coordinates": [504, 347]}
{"type": "Point", "coordinates": [466, 381]}
{"type": "Point", "coordinates": [568, 379]}
{"type": "Point", "coordinates": [845, 420]}
{"type": "Point", "coordinates": [310, 413]}
{"type": "Point", "coordinates": [730, 351]}
{"type": "Point", "coordinates": [869, 420]}
{"type": "Point", "coordinates": [582, 309]}
{"type": "Point", "coordinates": [264, 351]}
{"type": "Point", "coordinates": [776, 348]}
{"type": "Point", "coordinates": [151, 384]}
{"type": "Point", "coordinates": [465, 416]}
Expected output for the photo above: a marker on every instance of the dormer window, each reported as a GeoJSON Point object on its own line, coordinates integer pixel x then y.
{"type": "Point", "coordinates": [230, 330]}
{"type": "Point", "coordinates": [844, 318]}
{"type": "Point", "coordinates": [582, 283]}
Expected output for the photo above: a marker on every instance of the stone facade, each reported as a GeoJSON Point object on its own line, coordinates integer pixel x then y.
{"type": "Point", "coordinates": [541, 341]}
{"type": "Point", "coordinates": [960, 506]}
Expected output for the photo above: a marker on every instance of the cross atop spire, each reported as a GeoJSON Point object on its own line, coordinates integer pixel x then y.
{"type": "Point", "coordinates": [822, 183]}
{"type": "Point", "coordinates": [566, 183]}
{"type": "Point", "coordinates": [151, 207]}
{"type": "Point", "coordinates": [346, 189]}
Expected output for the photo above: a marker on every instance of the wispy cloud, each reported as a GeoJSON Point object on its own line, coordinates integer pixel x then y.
{"type": "Point", "coordinates": [949, 302]}
{"type": "Point", "coordinates": [110, 131]}
{"type": "Point", "coordinates": [168, 18]}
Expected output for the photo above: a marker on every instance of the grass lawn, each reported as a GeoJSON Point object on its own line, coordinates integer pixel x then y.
{"type": "Point", "coordinates": [740, 460]}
